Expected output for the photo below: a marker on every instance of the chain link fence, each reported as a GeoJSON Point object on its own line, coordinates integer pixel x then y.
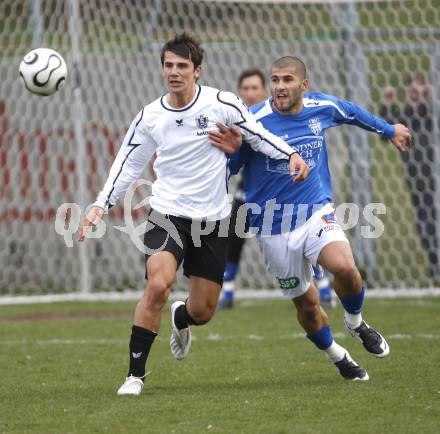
{"type": "Point", "coordinates": [383, 55]}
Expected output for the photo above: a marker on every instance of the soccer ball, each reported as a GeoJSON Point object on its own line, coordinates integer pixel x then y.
{"type": "Point", "coordinates": [43, 71]}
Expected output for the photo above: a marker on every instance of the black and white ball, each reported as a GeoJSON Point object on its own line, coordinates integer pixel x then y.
{"type": "Point", "coordinates": [43, 71]}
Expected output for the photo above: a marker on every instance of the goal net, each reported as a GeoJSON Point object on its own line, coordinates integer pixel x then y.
{"type": "Point", "coordinates": [383, 55]}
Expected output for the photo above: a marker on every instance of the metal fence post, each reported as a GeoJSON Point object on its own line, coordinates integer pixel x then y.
{"type": "Point", "coordinates": [79, 116]}
{"type": "Point", "coordinates": [36, 23]}
{"type": "Point", "coordinates": [360, 153]}
{"type": "Point", "coordinates": [435, 80]}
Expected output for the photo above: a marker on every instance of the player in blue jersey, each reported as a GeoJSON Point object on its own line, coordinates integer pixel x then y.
{"type": "Point", "coordinates": [295, 223]}
{"type": "Point", "coordinates": [252, 90]}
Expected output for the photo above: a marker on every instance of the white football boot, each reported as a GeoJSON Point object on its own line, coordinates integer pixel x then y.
{"type": "Point", "coordinates": [132, 386]}
{"type": "Point", "coordinates": [180, 341]}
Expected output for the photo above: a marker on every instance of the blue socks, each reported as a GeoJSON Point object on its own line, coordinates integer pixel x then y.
{"type": "Point", "coordinates": [231, 270]}
{"type": "Point", "coordinates": [353, 303]}
{"type": "Point", "coordinates": [325, 293]}
{"type": "Point", "coordinates": [323, 338]}
{"type": "Point", "coordinates": [228, 293]}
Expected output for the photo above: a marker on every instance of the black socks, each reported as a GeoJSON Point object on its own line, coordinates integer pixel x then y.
{"type": "Point", "coordinates": [140, 344]}
{"type": "Point", "coordinates": [182, 319]}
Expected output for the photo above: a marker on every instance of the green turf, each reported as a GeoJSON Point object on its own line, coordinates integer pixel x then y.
{"type": "Point", "coordinates": [249, 371]}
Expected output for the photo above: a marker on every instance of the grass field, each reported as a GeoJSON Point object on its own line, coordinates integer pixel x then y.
{"type": "Point", "coordinates": [249, 371]}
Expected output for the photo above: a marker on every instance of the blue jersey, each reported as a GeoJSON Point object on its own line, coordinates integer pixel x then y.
{"type": "Point", "coordinates": [283, 204]}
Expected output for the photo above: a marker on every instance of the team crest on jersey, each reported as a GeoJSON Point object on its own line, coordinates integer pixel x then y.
{"type": "Point", "coordinates": [315, 126]}
{"type": "Point", "coordinates": [329, 219]}
{"type": "Point", "coordinates": [202, 122]}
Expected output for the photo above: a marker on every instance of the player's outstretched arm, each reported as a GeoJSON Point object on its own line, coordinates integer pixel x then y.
{"type": "Point", "coordinates": [346, 112]}
{"type": "Point", "coordinates": [93, 217]}
{"type": "Point", "coordinates": [261, 140]}
{"type": "Point", "coordinates": [402, 138]}
{"type": "Point", "coordinates": [136, 150]}
{"type": "Point", "coordinates": [230, 139]}
{"type": "Point", "coordinates": [134, 154]}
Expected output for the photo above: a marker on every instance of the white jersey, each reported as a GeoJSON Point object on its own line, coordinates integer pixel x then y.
{"type": "Point", "coordinates": [191, 173]}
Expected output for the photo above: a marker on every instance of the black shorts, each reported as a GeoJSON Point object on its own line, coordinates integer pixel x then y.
{"type": "Point", "coordinates": [203, 255]}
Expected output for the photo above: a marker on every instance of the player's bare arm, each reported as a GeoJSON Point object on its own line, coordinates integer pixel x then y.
{"type": "Point", "coordinates": [402, 138]}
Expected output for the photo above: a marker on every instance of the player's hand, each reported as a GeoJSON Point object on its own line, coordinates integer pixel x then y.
{"type": "Point", "coordinates": [93, 217]}
{"type": "Point", "coordinates": [227, 139]}
{"type": "Point", "coordinates": [402, 138]}
{"type": "Point", "coordinates": [299, 170]}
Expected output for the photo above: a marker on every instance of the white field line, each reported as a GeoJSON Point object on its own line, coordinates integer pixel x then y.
{"type": "Point", "coordinates": [243, 294]}
{"type": "Point", "coordinates": [213, 337]}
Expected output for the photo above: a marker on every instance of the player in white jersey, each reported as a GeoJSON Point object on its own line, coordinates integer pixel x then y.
{"type": "Point", "coordinates": [189, 197]}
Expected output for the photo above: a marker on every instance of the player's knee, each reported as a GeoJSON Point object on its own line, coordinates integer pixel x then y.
{"type": "Point", "coordinates": [158, 290]}
{"type": "Point", "coordinates": [202, 320]}
{"type": "Point", "coordinates": [203, 315]}
{"type": "Point", "coordinates": [346, 271]}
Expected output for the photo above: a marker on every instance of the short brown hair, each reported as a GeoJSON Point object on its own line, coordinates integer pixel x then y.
{"type": "Point", "coordinates": [250, 73]}
{"type": "Point", "coordinates": [184, 45]}
{"type": "Point", "coordinates": [291, 62]}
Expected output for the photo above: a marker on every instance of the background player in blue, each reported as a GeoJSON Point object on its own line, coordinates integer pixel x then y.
{"type": "Point", "coordinates": [295, 223]}
{"type": "Point", "coordinates": [252, 90]}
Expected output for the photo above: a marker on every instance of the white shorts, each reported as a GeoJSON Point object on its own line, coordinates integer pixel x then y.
{"type": "Point", "coordinates": [290, 256]}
